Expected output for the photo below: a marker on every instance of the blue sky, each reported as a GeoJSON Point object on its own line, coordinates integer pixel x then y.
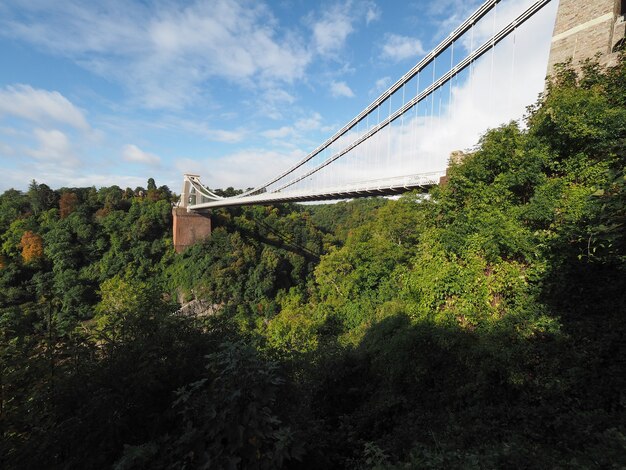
{"type": "Point", "coordinates": [115, 92]}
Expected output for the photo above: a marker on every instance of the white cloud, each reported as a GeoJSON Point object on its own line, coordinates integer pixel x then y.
{"type": "Point", "coordinates": [204, 130]}
{"type": "Point", "coordinates": [54, 147]}
{"type": "Point", "coordinates": [57, 177]}
{"type": "Point", "coordinates": [506, 12]}
{"type": "Point", "coordinates": [242, 169]}
{"type": "Point", "coordinates": [331, 31]}
{"type": "Point", "coordinates": [273, 102]}
{"type": "Point", "coordinates": [382, 84]}
{"type": "Point", "coordinates": [164, 54]}
{"type": "Point", "coordinates": [278, 95]}
{"type": "Point", "coordinates": [373, 14]}
{"type": "Point", "coordinates": [132, 153]}
{"type": "Point", "coordinates": [310, 123]}
{"type": "Point", "coordinates": [279, 133]}
{"type": "Point", "coordinates": [341, 89]}
{"type": "Point", "coordinates": [6, 150]}
{"type": "Point", "coordinates": [456, 11]}
{"type": "Point", "coordinates": [10, 131]}
{"type": "Point", "coordinates": [399, 48]}
{"type": "Point", "coordinates": [38, 105]}
{"type": "Point", "coordinates": [222, 135]}
{"type": "Point", "coordinates": [167, 55]}
{"type": "Point", "coordinates": [297, 132]}
{"type": "Point", "coordinates": [451, 6]}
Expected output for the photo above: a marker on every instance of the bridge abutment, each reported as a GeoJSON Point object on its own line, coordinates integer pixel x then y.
{"type": "Point", "coordinates": [584, 29]}
{"type": "Point", "coordinates": [456, 158]}
{"type": "Point", "coordinates": [189, 228]}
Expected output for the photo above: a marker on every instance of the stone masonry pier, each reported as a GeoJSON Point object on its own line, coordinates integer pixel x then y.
{"type": "Point", "coordinates": [585, 29]}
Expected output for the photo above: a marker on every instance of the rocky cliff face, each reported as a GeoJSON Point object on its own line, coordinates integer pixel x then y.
{"type": "Point", "coordinates": [197, 308]}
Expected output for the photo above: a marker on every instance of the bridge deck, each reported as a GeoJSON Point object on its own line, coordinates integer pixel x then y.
{"type": "Point", "coordinates": [383, 187]}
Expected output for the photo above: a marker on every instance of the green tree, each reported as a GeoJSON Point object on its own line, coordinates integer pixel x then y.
{"type": "Point", "coordinates": [228, 419]}
{"type": "Point", "coordinates": [13, 204]}
{"type": "Point", "coordinates": [41, 197]}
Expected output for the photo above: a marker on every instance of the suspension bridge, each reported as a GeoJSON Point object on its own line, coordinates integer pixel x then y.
{"type": "Point", "coordinates": [401, 141]}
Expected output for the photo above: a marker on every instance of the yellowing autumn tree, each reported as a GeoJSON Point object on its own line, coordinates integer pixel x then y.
{"type": "Point", "coordinates": [32, 246]}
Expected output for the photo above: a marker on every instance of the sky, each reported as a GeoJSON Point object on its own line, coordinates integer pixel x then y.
{"type": "Point", "coordinates": [116, 92]}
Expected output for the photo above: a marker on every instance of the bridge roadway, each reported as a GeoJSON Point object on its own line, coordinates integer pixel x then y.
{"type": "Point", "coordinates": [377, 187]}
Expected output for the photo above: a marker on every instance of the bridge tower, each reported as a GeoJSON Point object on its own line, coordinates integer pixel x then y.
{"type": "Point", "coordinates": [585, 28]}
{"type": "Point", "coordinates": [189, 227]}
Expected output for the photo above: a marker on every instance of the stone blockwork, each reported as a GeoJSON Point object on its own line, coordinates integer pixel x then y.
{"type": "Point", "coordinates": [189, 228]}
{"type": "Point", "coordinates": [456, 158]}
{"type": "Point", "coordinates": [586, 28]}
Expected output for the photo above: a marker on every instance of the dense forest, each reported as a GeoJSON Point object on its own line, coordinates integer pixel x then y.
{"type": "Point", "coordinates": [479, 326]}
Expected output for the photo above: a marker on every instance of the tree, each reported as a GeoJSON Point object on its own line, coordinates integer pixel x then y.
{"type": "Point", "coordinates": [228, 192]}
{"type": "Point", "coordinates": [67, 204]}
{"type": "Point", "coordinates": [230, 418]}
{"type": "Point", "coordinates": [13, 234]}
{"type": "Point", "coordinates": [13, 204]}
{"type": "Point", "coordinates": [41, 197]}
{"type": "Point", "coordinates": [32, 246]}
{"type": "Point", "coordinates": [127, 306]}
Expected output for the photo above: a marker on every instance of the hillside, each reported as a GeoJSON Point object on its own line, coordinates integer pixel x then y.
{"type": "Point", "coordinates": [482, 326]}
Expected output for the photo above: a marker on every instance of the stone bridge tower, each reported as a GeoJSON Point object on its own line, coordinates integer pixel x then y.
{"type": "Point", "coordinates": [586, 28]}
{"type": "Point", "coordinates": [189, 227]}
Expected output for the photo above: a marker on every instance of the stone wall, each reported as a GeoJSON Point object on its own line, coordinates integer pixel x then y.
{"type": "Point", "coordinates": [456, 158]}
{"type": "Point", "coordinates": [189, 228]}
{"type": "Point", "coordinates": [585, 28]}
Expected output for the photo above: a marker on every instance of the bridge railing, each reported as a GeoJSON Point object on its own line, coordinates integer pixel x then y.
{"type": "Point", "coordinates": [373, 187]}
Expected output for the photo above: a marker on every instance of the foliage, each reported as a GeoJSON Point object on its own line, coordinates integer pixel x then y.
{"type": "Point", "coordinates": [480, 326]}
{"type": "Point", "coordinates": [32, 246]}
{"type": "Point", "coordinates": [67, 204]}
{"type": "Point", "coordinates": [228, 419]}
{"type": "Point", "coordinates": [247, 262]}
